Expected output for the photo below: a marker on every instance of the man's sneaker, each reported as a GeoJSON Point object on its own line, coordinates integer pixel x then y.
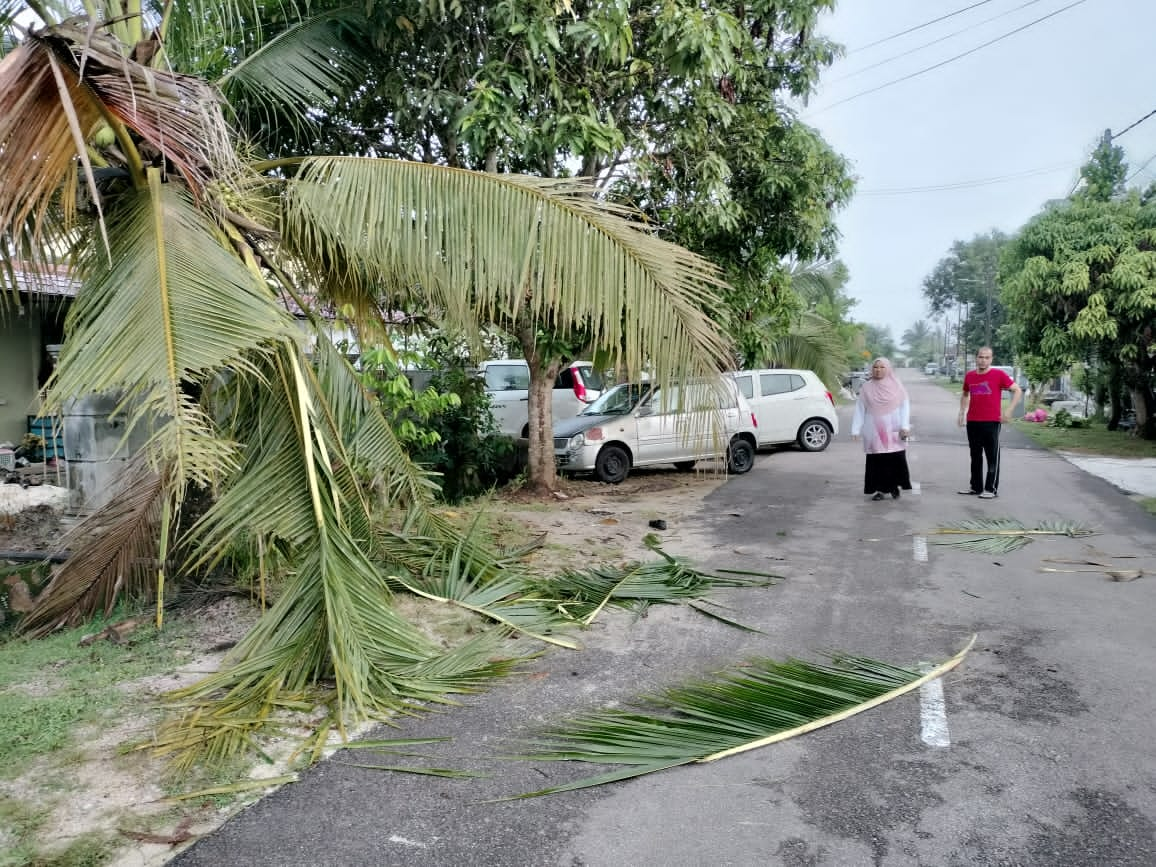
{"type": "Point", "coordinates": [987, 495]}
{"type": "Point", "coordinates": [969, 491]}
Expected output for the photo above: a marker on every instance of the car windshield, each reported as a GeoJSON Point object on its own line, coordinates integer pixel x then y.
{"type": "Point", "coordinates": [619, 400]}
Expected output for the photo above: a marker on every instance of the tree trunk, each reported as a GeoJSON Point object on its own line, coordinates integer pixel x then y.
{"type": "Point", "coordinates": [541, 473]}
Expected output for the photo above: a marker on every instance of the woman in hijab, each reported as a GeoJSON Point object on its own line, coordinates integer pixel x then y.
{"type": "Point", "coordinates": [883, 419]}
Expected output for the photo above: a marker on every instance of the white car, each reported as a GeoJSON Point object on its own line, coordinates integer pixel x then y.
{"type": "Point", "coordinates": [508, 385]}
{"type": "Point", "coordinates": [791, 406]}
{"type": "Point", "coordinates": [637, 425]}
{"type": "Point", "coordinates": [931, 369]}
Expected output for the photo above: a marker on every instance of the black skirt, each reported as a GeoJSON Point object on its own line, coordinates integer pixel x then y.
{"type": "Point", "coordinates": [886, 472]}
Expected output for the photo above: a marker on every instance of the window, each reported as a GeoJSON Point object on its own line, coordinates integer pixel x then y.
{"type": "Point", "coordinates": [590, 377]}
{"type": "Point", "coordinates": [779, 383]}
{"type": "Point", "coordinates": [746, 385]}
{"type": "Point", "coordinates": [507, 377]}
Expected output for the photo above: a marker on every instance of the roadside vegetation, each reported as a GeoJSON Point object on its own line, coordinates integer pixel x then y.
{"type": "Point", "coordinates": [1069, 299]}
{"type": "Point", "coordinates": [1093, 438]}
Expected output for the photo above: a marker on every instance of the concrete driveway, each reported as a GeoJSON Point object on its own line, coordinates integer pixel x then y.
{"type": "Point", "coordinates": [1037, 751]}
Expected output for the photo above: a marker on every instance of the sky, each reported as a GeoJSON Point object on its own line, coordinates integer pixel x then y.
{"type": "Point", "coordinates": [1007, 127]}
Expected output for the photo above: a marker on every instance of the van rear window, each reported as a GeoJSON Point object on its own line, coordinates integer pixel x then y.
{"type": "Point", "coordinates": [507, 377]}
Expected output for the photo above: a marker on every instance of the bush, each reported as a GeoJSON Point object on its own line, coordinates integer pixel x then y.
{"type": "Point", "coordinates": [1064, 419]}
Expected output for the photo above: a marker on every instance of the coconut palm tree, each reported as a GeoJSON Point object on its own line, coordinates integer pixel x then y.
{"type": "Point", "coordinates": [815, 340]}
{"type": "Point", "coordinates": [203, 269]}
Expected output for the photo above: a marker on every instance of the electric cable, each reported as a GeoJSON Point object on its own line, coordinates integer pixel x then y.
{"type": "Point", "coordinates": [969, 184]}
{"type": "Point", "coordinates": [926, 69]}
{"type": "Point", "coordinates": [1133, 125]}
{"type": "Point", "coordinates": [918, 26]}
{"type": "Point", "coordinates": [951, 35]}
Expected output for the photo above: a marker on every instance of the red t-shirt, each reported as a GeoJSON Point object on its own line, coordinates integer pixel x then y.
{"type": "Point", "coordinates": [986, 390]}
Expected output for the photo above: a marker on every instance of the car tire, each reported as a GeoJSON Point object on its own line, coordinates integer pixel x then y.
{"type": "Point", "coordinates": [814, 435]}
{"type": "Point", "coordinates": [612, 464]}
{"type": "Point", "coordinates": [684, 466]}
{"type": "Point", "coordinates": [740, 457]}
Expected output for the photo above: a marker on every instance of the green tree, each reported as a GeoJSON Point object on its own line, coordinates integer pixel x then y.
{"type": "Point", "coordinates": [188, 251]}
{"type": "Point", "coordinates": [965, 286]}
{"type": "Point", "coordinates": [877, 342]}
{"type": "Point", "coordinates": [1080, 284]}
{"type": "Point", "coordinates": [676, 108]}
{"type": "Point", "coordinates": [921, 342]}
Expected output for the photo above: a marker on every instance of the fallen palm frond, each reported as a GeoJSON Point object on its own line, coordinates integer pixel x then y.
{"type": "Point", "coordinates": [1002, 535]}
{"type": "Point", "coordinates": [583, 594]}
{"type": "Point", "coordinates": [446, 773]}
{"type": "Point", "coordinates": [115, 554]}
{"type": "Point", "coordinates": [1113, 574]}
{"type": "Point", "coordinates": [544, 607]}
{"type": "Point", "coordinates": [756, 704]}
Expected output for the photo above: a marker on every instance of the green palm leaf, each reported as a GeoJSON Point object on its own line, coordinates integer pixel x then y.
{"type": "Point", "coordinates": [1003, 535]}
{"type": "Point", "coordinates": [171, 308]}
{"type": "Point", "coordinates": [582, 594]}
{"type": "Point", "coordinates": [756, 704]}
{"type": "Point", "coordinates": [488, 247]}
{"type": "Point", "coordinates": [302, 69]}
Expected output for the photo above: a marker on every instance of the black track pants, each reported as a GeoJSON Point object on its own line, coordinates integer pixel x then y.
{"type": "Point", "coordinates": [983, 441]}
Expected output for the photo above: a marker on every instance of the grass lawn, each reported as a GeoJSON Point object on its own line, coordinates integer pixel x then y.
{"type": "Point", "coordinates": [1094, 440]}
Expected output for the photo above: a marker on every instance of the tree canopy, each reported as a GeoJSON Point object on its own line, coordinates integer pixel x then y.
{"type": "Point", "coordinates": [966, 281]}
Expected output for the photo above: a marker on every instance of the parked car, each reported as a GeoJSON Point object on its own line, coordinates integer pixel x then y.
{"type": "Point", "coordinates": [636, 425]}
{"type": "Point", "coordinates": [931, 369]}
{"type": "Point", "coordinates": [508, 385]}
{"type": "Point", "coordinates": [790, 406]}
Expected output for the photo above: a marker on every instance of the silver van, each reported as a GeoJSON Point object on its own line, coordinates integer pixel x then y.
{"type": "Point", "coordinates": [635, 424]}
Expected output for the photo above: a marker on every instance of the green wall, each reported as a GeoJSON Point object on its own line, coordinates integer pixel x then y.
{"type": "Point", "coordinates": [20, 354]}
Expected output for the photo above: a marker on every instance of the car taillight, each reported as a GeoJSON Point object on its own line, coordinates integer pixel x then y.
{"type": "Point", "coordinates": [754, 421]}
{"type": "Point", "coordinates": [830, 397]}
{"type": "Point", "coordinates": [579, 386]}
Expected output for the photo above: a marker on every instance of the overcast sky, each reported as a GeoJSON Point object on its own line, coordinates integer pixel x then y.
{"type": "Point", "coordinates": [1026, 110]}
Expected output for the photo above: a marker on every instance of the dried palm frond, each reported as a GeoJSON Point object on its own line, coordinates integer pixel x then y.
{"type": "Point", "coordinates": [758, 703]}
{"type": "Point", "coordinates": [1003, 535]}
{"type": "Point", "coordinates": [114, 555]}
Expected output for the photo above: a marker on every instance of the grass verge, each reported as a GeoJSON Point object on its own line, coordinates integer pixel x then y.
{"type": "Point", "coordinates": [1094, 440]}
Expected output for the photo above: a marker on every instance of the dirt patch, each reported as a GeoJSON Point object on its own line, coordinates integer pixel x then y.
{"type": "Point", "coordinates": [588, 522]}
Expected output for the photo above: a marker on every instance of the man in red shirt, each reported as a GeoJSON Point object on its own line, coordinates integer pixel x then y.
{"type": "Point", "coordinates": [982, 406]}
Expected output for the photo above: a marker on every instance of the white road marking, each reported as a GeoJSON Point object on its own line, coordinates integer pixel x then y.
{"type": "Point", "coordinates": [933, 715]}
{"type": "Point", "coordinates": [919, 549]}
{"type": "Point", "coordinates": [394, 838]}
{"type": "Point", "coordinates": [915, 489]}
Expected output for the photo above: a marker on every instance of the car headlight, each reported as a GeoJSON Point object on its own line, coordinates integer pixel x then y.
{"type": "Point", "coordinates": [576, 442]}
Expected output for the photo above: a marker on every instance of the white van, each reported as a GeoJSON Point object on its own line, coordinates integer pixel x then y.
{"type": "Point", "coordinates": [508, 385]}
{"type": "Point", "coordinates": [790, 406]}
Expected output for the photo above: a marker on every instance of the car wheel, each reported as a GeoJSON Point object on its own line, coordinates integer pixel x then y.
{"type": "Point", "coordinates": [740, 457]}
{"type": "Point", "coordinates": [612, 465]}
{"type": "Point", "coordinates": [814, 435]}
{"type": "Point", "coordinates": [684, 466]}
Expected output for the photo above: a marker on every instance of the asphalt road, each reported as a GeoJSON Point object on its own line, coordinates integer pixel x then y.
{"type": "Point", "coordinates": [1047, 757]}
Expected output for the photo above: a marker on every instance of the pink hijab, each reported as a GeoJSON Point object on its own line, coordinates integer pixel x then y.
{"type": "Point", "coordinates": [881, 396]}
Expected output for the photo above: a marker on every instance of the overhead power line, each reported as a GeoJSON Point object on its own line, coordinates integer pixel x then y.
{"type": "Point", "coordinates": [967, 185]}
{"type": "Point", "coordinates": [917, 48]}
{"type": "Point", "coordinates": [960, 56]}
{"type": "Point", "coordinates": [1133, 125]}
{"type": "Point", "coordinates": [919, 26]}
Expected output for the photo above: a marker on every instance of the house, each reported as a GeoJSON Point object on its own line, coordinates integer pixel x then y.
{"type": "Point", "coordinates": [84, 449]}
{"type": "Point", "coordinates": [31, 330]}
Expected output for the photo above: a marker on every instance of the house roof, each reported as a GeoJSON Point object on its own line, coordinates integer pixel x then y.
{"type": "Point", "coordinates": [41, 281]}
